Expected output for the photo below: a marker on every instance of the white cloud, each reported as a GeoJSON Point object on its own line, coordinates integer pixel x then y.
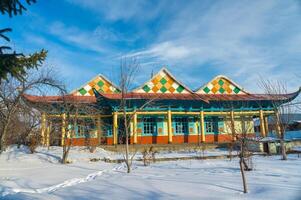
{"type": "Point", "coordinates": [61, 60]}
{"type": "Point", "coordinates": [196, 40]}
{"type": "Point", "coordinates": [239, 39]}
{"type": "Point", "coordinates": [88, 40]}
{"type": "Point", "coordinates": [123, 10]}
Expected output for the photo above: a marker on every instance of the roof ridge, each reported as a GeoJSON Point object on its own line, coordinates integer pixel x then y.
{"type": "Point", "coordinates": [92, 79]}
{"type": "Point", "coordinates": [165, 70]}
{"type": "Point", "coordinates": [225, 77]}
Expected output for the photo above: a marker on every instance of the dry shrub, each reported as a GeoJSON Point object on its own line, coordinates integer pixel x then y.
{"type": "Point", "coordinates": [149, 155]}
{"type": "Point", "coordinates": [33, 142]}
{"type": "Point", "coordinates": [92, 149]}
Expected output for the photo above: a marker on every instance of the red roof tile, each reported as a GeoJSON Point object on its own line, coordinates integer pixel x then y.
{"type": "Point", "coordinates": [194, 96]}
{"type": "Point", "coordinates": [53, 99]}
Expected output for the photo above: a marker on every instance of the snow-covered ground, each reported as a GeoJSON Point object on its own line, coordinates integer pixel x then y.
{"type": "Point", "coordinates": [289, 135]}
{"type": "Point", "coordinates": [41, 176]}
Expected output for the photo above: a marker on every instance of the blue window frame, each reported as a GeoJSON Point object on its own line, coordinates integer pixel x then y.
{"type": "Point", "coordinates": [107, 127]}
{"type": "Point", "coordinates": [149, 126]}
{"type": "Point", "coordinates": [211, 125]}
{"type": "Point", "coordinates": [180, 125]}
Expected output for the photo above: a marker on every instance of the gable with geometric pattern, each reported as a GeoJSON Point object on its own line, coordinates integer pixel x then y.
{"type": "Point", "coordinates": [100, 83]}
{"type": "Point", "coordinates": [163, 82]}
{"type": "Point", "coordinates": [221, 85]}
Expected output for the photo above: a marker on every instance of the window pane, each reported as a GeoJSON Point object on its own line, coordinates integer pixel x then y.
{"type": "Point", "coordinates": [210, 125]}
{"type": "Point", "coordinates": [181, 125]}
{"type": "Point", "coordinates": [149, 126]}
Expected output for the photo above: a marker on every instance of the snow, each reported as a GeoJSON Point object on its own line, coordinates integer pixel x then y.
{"type": "Point", "coordinates": [289, 135]}
{"type": "Point", "coordinates": [41, 176]}
{"type": "Point", "coordinates": [296, 148]}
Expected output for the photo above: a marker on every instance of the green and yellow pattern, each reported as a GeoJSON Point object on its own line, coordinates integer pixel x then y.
{"type": "Point", "coordinates": [162, 83]}
{"type": "Point", "coordinates": [221, 85]}
{"type": "Point", "coordinates": [101, 84]}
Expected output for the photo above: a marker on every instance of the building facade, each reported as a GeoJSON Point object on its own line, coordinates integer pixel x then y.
{"type": "Point", "coordinates": [161, 111]}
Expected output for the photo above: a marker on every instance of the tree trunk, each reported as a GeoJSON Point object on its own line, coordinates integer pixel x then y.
{"type": "Point", "coordinates": [65, 154]}
{"type": "Point", "coordinates": [283, 149]}
{"type": "Point", "coordinates": [244, 182]}
{"type": "Point", "coordinates": [230, 150]}
{"type": "Point", "coordinates": [127, 161]}
{"type": "Point", "coordinates": [2, 139]}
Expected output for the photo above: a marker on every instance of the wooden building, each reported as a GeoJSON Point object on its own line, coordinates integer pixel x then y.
{"type": "Point", "coordinates": [176, 114]}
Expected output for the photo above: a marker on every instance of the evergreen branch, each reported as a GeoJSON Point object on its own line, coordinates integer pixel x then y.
{"type": "Point", "coordinates": [13, 7]}
{"type": "Point", "coordinates": [18, 64]}
{"type": "Point", "coordinates": [2, 31]}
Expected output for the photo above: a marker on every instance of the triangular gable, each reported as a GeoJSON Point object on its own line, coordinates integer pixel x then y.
{"type": "Point", "coordinates": [163, 82]}
{"type": "Point", "coordinates": [100, 83]}
{"type": "Point", "coordinates": [221, 85]}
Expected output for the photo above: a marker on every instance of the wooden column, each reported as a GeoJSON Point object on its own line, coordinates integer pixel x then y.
{"type": "Point", "coordinates": [262, 128]}
{"type": "Point", "coordinates": [135, 127]}
{"type": "Point", "coordinates": [266, 124]}
{"type": "Point", "coordinates": [233, 125]}
{"type": "Point", "coordinates": [278, 128]}
{"type": "Point", "coordinates": [47, 141]}
{"type": "Point", "coordinates": [202, 126]}
{"type": "Point", "coordinates": [115, 128]}
{"type": "Point", "coordinates": [63, 129]}
{"type": "Point", "coordinates": [43, 128]}
{"type": "Point", "coordinates": [98, 124]}
{"type": "Point", "coordinates": [169, 126]}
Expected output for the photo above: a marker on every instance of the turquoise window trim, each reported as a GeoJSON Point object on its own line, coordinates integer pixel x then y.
{"type": "Point", "coordinates": [192, 124]}
{"type": "Point", "coordinates": [155, 125]}
{"type": "Point", "coordinates": [107, 127]}
{"type": "Point", "coordinates": [220, 124]}
{"type": "Point", "coordinates": [160, 124]}
{"type": "Point", "coordinates": [180, 125]}
{"type": "Point", "coordinates": [211, 124]}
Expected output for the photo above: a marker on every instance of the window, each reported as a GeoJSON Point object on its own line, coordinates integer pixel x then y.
{"type": "Point", "coordinates": [107, 127]}
{"type": "Point", "coordinates": [180, 125]}
{"type": "Point", "coordinates": [210, 125]}
{"type": "Point", "coordinates": [149, 126]}
{"type": "Point", "coordinates": [82, 130]}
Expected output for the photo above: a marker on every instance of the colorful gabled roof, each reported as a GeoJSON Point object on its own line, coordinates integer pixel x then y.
{"type": "Point", "coordinates": [100, 83]}
{"type": "Point", "coordinates": [221, 85]}
{"type": "Point", "coordinates": [163, 82]}
{"type": "Point", "coordinates": [193, 96]}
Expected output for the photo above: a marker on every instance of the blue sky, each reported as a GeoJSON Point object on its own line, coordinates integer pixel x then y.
{"type": "Point", "coordinates": [195, 40]}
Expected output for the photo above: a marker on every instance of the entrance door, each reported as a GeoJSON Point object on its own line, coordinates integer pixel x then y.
{"type": "Point", "coordinates": [121, 131]}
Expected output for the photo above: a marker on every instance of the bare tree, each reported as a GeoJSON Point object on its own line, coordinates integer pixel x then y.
{"type": "Point", "coordinates": [282, 110]}
{"type": "Point", "coordinates": [242, 139]}
{"type": "Point", "coordinates": [71, 110]}
{"type": "Point", "coordinates": [128, 70]}
{"type": "Point", "coordinates": [11, 103]}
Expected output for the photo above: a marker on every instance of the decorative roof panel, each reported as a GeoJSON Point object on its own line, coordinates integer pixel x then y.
{"type": "Point", "coordinates": [100, 83]}
{"type": "Point", "coordinates": [221, 85]}
{"type": "Point", "coordinates": [163, 82]}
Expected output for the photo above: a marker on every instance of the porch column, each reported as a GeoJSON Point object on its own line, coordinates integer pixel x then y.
{"type": "Point", "coordinates": [98, 125]}
{"type": "Point", "coordinates": [43, 128]}
{"type": "Point", "coordinates": [135, 127]}
{"type": "Point", "coordinates": [169, 126]}
{"type": "Point", "coordinates": [278, 127]}
{"type": "Point", "coordinates": [48, 130]}
{"type": "Point", "coordinates": [262, 128]}
{"type": "Point", "coordinates": [202, 126]}
{"type": "Point", "coordinates": [63, 129]}
{"type": "Point", "coordinates": [233, 125]}
{"type": "Point", "coordinates": [266, 124]}
{"type": "Point", "coordinates": [115, 127]}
